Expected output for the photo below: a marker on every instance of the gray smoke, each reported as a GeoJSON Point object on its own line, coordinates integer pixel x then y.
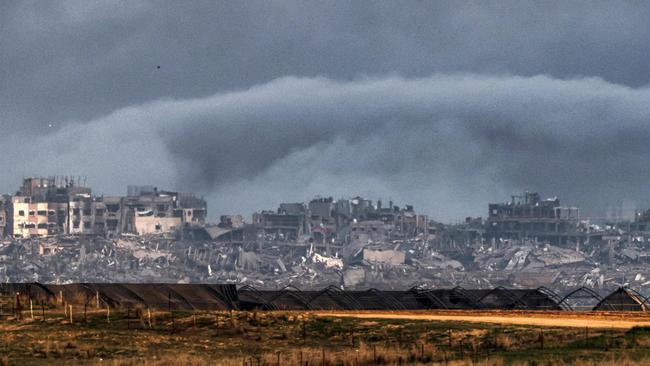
{"type": "Point", "coordinates": [447, 143]}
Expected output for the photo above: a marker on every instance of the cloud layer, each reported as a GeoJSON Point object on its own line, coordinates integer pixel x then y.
{"type": "Point", "coordinates": [77, 60]}
{"type": "Point", "coordinates": [448, 143]}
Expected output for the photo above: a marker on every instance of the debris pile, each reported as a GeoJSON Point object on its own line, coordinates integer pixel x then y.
{"type": "Point", "coordinates": [350, 243]}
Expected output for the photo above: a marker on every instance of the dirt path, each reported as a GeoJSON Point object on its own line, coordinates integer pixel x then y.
{"type": "Point", "coordinates": [571, 320]}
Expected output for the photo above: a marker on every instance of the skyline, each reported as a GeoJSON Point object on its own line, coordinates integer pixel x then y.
{"type": "Point", "coordinates": [624, 211]}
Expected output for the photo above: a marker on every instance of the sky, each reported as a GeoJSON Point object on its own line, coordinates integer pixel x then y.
{"type": "Point", "coordinates": [446, 105]}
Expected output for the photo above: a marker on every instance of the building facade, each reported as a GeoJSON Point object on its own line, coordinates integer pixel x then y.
{"type": "Point", "coordinates": [54, 206]}
{"type": "Point", "coordinates": [529, 217]}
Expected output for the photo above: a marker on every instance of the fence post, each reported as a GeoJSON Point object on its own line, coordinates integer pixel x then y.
{"type": "Point", "coordinates": [171, 312]}
{"type": "Point", "coordinates": [18, 308]}
{"type": "Point", "coordinates": [70, 314]}
{"type": "Point", "coordinates": [173, 321]}
{"type": "Point", "coordinates": [374, 353]}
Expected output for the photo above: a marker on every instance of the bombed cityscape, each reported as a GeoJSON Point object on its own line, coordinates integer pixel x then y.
{"type": "Point", "coordinates": [57, 230]}
{"type": "Point", "coordinates": [339, 183]}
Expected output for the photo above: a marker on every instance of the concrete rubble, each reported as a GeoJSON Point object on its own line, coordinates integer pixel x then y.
{"type": "Point", "coordinates": [271, 266]}
{"type": "Point", "coordinates": [350, 243]}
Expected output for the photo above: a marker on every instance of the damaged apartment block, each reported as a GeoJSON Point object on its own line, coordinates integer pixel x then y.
{"type": "Point", "coordinates": [529, 217]}
{"type": "Point", "coordinates": [63, 206]}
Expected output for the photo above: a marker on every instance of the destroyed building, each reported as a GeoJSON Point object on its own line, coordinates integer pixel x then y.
{"type": "Point", "coordinates": [529, 217]}
{"type": "Point", "coordinates": [639, 227]}
{"type": "Point", "coordinates": [150, 211]}
{"type": "Point", "coordinates": [281, 225]}
{"type": "Point", "coordinates": [46, 206]}
{"type": "Point", "coordinates": [59, 232]}
{"type": "Point", "coordinates": [321, 219]}
{"type": "Point", "coordinates": [328, 221]}
{"type": "Point", "coordinates": [50, 206]}
{"type": "Point", "coordinates": [4, 204]}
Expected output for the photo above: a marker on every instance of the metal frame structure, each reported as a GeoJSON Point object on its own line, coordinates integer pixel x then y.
{"type": "Point", "coordinates": [515, 303]}
{"type": "Point", "coordinates": [552, 295]}
{"type": "Point", "coordinates": [294, 293]}
{"type": "Point", "coordinates": [468, 296]}
{"type": "Point", "coordinates": [390, 300]}
{"type": "Point", "coordinates": [257, 295]}
{"type": "Point", "coordinates": [328, 298]}
{"type": "Point", "coordinates": [590, 293]}
{"type": "Point", "coordinates": [627, 290]}
{"type": "Point", "coordinates": [428, 296]}
{"type": "Point", "coordinates": [339, 296]}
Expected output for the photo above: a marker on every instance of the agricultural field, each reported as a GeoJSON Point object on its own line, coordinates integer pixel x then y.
{"type": "Point", "coordinates": [50, 336]}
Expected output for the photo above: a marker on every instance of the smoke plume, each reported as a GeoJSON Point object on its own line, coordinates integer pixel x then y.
{"type": "Point", "coordinates": [448, 143]}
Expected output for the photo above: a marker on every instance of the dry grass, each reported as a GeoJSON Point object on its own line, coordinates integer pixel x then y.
{"type": "Point", "coordinates": [263, 338]}
{"type": "Point", "coordinates": [315, 359]}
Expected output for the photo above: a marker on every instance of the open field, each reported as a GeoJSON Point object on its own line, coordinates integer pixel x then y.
{"type": "Point", "coordinates": [142, 337]}
{"type": "Point", "coordinates": [618, 320]}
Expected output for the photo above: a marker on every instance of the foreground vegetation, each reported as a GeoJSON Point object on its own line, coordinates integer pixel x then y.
{"type": "Point", "coordinates": [142, 337]}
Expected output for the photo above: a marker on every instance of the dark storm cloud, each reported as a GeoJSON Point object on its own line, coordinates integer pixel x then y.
{"type": "Point", "coordinates": [257, 102]}
{"type": "Point", "coordinates": [76, 60]}
{"type": "Point", "coordinates": [446, 143]}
